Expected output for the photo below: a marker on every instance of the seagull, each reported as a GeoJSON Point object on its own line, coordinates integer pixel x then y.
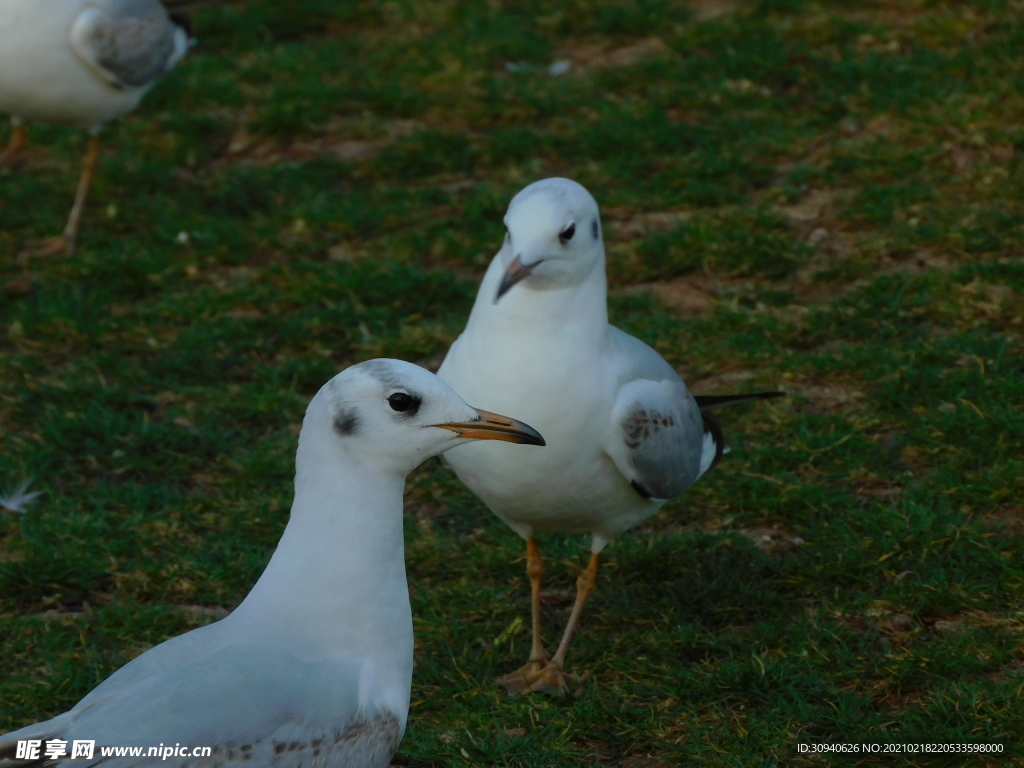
{"type": "Point", "coordinates": [624, 433]}
{"type": "Point", "coordinates": [82, 63]}
{"type": "Point", "coordinates": [314, 667]}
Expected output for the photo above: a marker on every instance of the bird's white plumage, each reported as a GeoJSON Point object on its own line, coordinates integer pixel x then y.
{"type": "Point", "coordinates": [545, 351]}
{"type": "Point", "coordinates": [708, 452]}
{"type": "Point", "coordinates": [314, 667]}
{"type": "Point", "coordinates": [83, 62]}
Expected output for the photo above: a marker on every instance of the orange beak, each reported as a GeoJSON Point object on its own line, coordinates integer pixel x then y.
{"type": "Point", "coordinates": [494, 426]}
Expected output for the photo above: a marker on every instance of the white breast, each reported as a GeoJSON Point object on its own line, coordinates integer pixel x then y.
{"type": "Point", "coordinates": [569, 486]}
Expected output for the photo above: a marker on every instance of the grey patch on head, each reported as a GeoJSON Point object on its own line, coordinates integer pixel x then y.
{"type": "Point", "coordinates": [595, 229]}
{"type": "Point", "coordinates": [346, 422]}
{"type": "Point", "coordinates": [381, 371]}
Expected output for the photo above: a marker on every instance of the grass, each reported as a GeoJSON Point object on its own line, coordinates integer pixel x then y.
{"type": "Point", "coordinates": [822, 196]}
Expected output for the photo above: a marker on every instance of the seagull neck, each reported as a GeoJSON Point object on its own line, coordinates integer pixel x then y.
{"type": "Point", "coordinates": [582, 304]}
{"type": "Point", "coordinates": [336, 582]}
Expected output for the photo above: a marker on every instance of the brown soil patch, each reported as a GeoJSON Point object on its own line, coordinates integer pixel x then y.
{"type": "Point", "coordinates": [687, 296]}
{"type": "Point", "coordinates": [772, 539]}
{"type": "Point", "coordinates": [704, 10]}
{"type": "Point", "coordinates": [1007, 520]}
{"type": "Point", "coordinates": [593, 55]}
{"type": "Point", "coordinates": [336, 142]}
{"type": "Point", "coordinates": [825, 397]}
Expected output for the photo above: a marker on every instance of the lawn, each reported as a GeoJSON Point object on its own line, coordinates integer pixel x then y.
{"type": "Point", "coordinates": [822, 197]}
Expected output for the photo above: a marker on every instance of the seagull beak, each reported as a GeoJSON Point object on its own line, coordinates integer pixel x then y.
{"type": "Point", "coordinates": [516, 271]}
{"type": "Point", "coordinates": [493, 426]}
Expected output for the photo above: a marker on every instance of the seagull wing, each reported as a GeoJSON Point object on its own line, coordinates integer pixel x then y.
{"type": "Point", "coordinates": [130, 44]}
{"type": "Point", "coordinates": [253, 703]}
{"type": "Point", "coordinates": [657, 438]}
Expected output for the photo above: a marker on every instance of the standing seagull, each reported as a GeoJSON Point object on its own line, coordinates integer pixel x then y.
{"type": "Point", "coordinates": [82, 63]}
{"type": "Point", "coordinates": [314, 668]}
{"type": "Point", "coordinates": [624, 433]}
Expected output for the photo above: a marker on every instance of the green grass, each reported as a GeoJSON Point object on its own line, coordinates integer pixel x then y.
{"type": "Point", "coordinates": [837, 183]}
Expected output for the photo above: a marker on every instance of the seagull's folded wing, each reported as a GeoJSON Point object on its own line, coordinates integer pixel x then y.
{"type": "Point", "coordinates": [657, 437]}
{"type": "Point", "coordinates": [656, 434]}
{"type": "Point", "coordinates": [251, 702]}
{"type": "Point", "coordinates": [130, 46]}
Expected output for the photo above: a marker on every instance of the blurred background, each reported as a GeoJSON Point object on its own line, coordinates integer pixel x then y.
{"type": "Point", "coordinates": [823, 197]}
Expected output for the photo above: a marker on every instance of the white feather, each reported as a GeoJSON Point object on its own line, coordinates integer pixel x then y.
{"type": "Point", "coordinates": [19, 499]}
{"type": "Point", "coordinates": [707, 453]}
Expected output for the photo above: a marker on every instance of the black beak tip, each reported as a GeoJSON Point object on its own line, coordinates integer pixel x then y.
{"type": "Point", "coordinates": [506, 284]}
{"type": "Point", "coordinates": [513, 275]}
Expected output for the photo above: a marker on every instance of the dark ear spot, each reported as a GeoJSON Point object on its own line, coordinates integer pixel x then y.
{"type": "Point", "coordinates": [346, 422]}
{"type": "Point", "coordinates": [594, 229]}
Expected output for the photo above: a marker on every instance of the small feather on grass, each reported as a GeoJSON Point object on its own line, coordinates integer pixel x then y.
{"type": "Point", "coordinates": [19, 499]}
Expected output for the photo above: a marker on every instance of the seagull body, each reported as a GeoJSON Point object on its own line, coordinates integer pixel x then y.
{"type": "Point", "coordinates": [566, 347]}
{"type": "Point", "coordinates": [314, 667]}
{"type": "Point", "coordinates": [81, 63]}
{"type": "Point", "coordinates": [624, 434]}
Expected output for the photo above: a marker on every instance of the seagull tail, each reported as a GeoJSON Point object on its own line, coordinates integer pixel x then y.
{"type": "Point", "coordinates": [710, 402]}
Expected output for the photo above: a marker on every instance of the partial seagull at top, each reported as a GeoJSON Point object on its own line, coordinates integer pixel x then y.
{"type": "Point", "coordinates": [83, 63]}
{"type": "Point", "coordinates": [314, 668]}
{"type": "Point", "coordinates": [624, 433]}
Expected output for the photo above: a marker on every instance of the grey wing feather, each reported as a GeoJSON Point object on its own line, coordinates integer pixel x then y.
{"type": "Point", "coordinates": [662, 435]}
{"type": "Point", "coordinates": [132, 43]}
{"type": "Point", "coordinates": [251, 703]}
{"type": "Point", "coordinates": [658, 433]}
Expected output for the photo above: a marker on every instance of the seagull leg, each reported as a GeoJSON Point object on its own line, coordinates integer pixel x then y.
{"type": "Point", "coordinates": [553, 678]}
{"type": "Point", "coordinates": [16, 143]}
{"type": "Point", "coordinates": [518, 682]}
{"type": "Point", "coordinates": [65, 242]}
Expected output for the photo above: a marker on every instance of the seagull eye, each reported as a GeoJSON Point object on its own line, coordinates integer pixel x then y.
{"type": "Point", "coordinates": [400, 401]}
{"type": "Point", "coordinates": [566, 236]}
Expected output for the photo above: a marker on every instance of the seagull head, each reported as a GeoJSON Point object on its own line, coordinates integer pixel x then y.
{"type": "Point", "coordinates": [552, 236]}
{"type": "Point", "coordinates": [394, 415]}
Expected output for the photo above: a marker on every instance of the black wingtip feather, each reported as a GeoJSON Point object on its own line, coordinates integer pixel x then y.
{"type": "Point", "coordinates": [712, 426]}
{"type": "Point", "coordinates": [641, 490]}
{"type": "Point", "coordinates": [709, 402]}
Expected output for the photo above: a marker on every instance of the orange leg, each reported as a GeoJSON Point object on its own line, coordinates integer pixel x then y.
{"type": "Point", "coordinates": [92, 159]}
{"type": "Point", "coordinates": [519, 681]}
{"type": "Point", "coordinates": [553, 678]}
{"type": "Point", "coordinates": [65, 242]}
{"type": "Point", "coordinates": [16, 143]}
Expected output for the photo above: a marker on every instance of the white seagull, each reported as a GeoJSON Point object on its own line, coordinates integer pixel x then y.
{"type": "Point", "coordinates": [314, 668]}
{"type": "Point", "coordinates": [82, 63]}
{"type": "Point", "coordinates": [624, 433]}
